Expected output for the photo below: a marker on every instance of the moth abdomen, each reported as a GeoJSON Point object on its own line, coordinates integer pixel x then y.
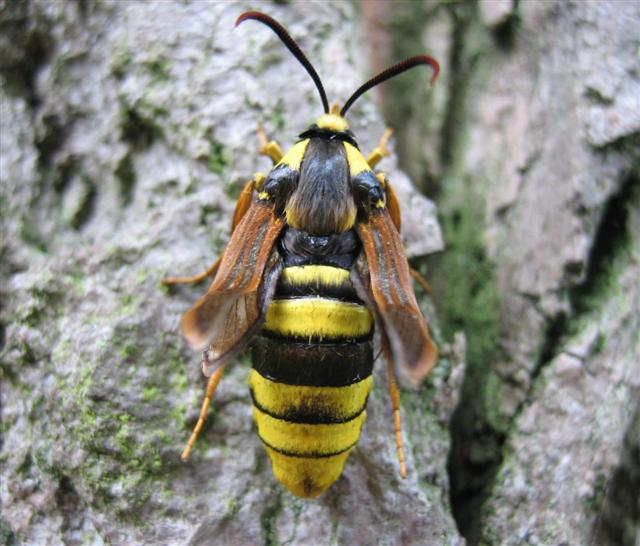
{"type": "Point", "coordinates": [311, 376]}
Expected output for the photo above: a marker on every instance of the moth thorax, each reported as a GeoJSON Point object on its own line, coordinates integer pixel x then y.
{"type": "Point", "coordinates": [322, 203]}
{"type": "Point", "coordinates": [319, 215]}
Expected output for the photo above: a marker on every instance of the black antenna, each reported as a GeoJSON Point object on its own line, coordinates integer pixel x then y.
{"type": "Point", "coordinates": [390, 73]}
{"type": "Point", "coordinates": [288, 41]}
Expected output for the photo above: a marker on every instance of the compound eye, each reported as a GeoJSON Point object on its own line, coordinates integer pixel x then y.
{"type": "Point", "coordinates": [279, 184]}
{"type": "Point", "coordinates": [368, 191]}
{"type": "Point", "coordinates": [376, 197]}
{"type": "Point", "coordinates": [271, 187]}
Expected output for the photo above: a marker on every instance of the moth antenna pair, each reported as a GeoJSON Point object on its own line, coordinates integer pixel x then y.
{"type": "Point", "coordinates": [294, 48]}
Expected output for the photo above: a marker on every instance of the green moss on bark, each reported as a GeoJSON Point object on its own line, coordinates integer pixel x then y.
{"type": "Point", "coordinates": [268, 520]}
{"type": "Point", "coordinates": [463, 276]}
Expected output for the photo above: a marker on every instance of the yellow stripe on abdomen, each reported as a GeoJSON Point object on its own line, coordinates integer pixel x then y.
{"type": "Point", "coordinates": [324, 404]}
{"type": "Point", "coordinates": [304, 440]}
{"type": "Point", "coordinates": [307, 458]}
{"type": "Point", "coordinates": [314, 275]}
{"type": "Point", "coordinates": [318, 318]}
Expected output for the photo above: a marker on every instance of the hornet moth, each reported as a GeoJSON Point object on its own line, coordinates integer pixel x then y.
{"type": "Point", "coordinates": [315, 261]}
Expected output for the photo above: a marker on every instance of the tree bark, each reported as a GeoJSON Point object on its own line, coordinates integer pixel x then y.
{"type": "Point", "coordinates": [536, 173]}
{"type": "Point", "coordinates": [128, 130]}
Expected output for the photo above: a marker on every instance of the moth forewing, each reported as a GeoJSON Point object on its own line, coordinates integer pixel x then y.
{"type": "Point", "coordinates": [239, 275]}
{"type": "Point", "coordinates": [413, 352]}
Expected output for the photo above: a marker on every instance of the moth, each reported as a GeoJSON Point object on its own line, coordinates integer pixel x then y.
{"type": "Point", "coordinates": [314, 265]}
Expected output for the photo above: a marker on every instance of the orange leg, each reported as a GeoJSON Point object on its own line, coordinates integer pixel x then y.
{"type": "Point", "coordinates": [381, 149]}
{"type": "Point", "coordinates": [196, 278]}
{"type": "Point", "coordinates": [244, 201]}
{"type": "Point", "coordinates": [269, 147]}
{"type": "Point", "coordinates": [394, 393]}
{"type": "Point", "coordinates": [424, 284]}
{"type": "Point", "coordinates": [211, 389]}
{"type": "Point", "coordinates": [242, 205]}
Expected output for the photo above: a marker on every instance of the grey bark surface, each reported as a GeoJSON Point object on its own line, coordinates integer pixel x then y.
{"type": "Point", "coordinates": [128, 130]}
{"type": "Point", "coordinates": [537, 168]}
{"type": "Point", "coordinates": [563, 207]}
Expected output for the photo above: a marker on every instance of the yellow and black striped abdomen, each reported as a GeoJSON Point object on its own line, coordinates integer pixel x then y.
{"type": "Point", "coordinates": [312, 376]}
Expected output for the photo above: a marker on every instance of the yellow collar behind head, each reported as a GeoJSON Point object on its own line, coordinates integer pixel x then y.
{"type": "Point", "coordinates": [333, 122]}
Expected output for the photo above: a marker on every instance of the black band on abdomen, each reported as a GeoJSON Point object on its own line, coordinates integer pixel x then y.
{"type": "Point", "coordinates": [338, 292]}
{"type": "Point", "coordinates": [297, 363]}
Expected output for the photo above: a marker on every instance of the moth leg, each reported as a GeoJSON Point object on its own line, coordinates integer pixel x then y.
{"type": "Point", "coordinates": [270, 148]}
{"type": "Point", "coordinates": [392, 200]}
{"type": "Point", "coordinates": [381, 149]}
{"type": "Point", "coordinates": [169, 281]}
{"type": "Point", "coordinates": [242, 205]}
{"type": "Point", "coordinates": [419, 278]}
{"type": "Point", "coordinates": [394, 394]}
{"type": "Point", "coordinates": [211, 389]}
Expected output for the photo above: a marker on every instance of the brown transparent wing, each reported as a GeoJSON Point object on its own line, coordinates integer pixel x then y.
{"type": "Point", "coordinates": [226, 314]}
{"type": "Point", "coordinates": [384, 276]}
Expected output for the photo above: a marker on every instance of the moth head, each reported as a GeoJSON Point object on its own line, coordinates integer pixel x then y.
{"type": "Point", "coordinates": [333, 121]}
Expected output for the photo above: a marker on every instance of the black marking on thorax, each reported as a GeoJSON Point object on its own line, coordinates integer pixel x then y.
{"type": "Point", "coordinates": [323, 198]}
{"type": "Point", "coordinates": [298, 247]}
{"type": "Point", "coordinates": [329, 134]}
